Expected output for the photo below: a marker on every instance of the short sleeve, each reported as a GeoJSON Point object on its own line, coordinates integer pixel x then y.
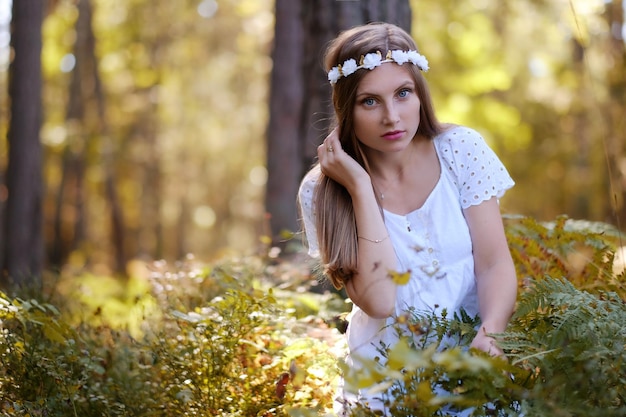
{"type": "Point", "coordinates": [478, 172]}
{"type": "Point", "coordinates": [305, 202]}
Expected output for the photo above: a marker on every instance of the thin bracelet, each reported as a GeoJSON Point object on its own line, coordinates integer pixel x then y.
{"type": "Point", "coordinates": [374, 240]}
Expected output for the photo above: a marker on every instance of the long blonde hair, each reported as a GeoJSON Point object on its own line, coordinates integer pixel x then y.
{"type": "Point", "coordinates": [335, 220]}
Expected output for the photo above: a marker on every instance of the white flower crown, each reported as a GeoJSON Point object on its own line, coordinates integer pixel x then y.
{"type": "Point", "coordinates": [375, 59]}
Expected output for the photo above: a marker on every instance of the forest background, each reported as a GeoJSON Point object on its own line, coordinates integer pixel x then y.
{"type": "Point", "coordinates": [165, 152]}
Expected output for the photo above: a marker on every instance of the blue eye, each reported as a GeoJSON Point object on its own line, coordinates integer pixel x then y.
{"type": "Point", "coordinates": [404, 93]}
{"type": "Point", "coordinates": [369, 101]}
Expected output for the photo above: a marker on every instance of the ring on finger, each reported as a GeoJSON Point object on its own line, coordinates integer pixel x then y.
{"type": "Point", "coordinates": [329, 148]}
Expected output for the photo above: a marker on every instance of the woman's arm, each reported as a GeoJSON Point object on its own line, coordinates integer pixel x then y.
{"type": "Point", "coordinates": [495, 272]}
{"type": "Point", "coordinates": [371, 287]}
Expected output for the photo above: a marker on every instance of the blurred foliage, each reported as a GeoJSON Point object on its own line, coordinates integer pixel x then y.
{"type": "Point", "coordinates": [186, 93]}
{"type": "Point", "coordinates": [540, 80]}
{"type": "Point", "coordinates": [583, 252]}
{"type": "Point", "coordinates": [185, 88]}
{"type": "Point", "coordinates": [216, 341]}
{"type": "Point", "coordinates": [259, 336]}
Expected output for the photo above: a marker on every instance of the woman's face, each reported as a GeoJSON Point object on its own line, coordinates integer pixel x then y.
{"type": "Point", "coordinates": [387, 108]}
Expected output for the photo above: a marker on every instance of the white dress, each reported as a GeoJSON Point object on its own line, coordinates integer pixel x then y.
{"type": "Point", "coordinates": [433, 242]}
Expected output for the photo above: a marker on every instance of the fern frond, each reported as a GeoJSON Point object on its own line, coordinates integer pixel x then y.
{"type": "Point", "coordinates": [581, 251]}
{"type": "Point", "coordinates": [569, 337]}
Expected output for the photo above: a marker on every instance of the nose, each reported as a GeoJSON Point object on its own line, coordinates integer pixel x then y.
{"type": "Point", "coordinates": [391, 115]}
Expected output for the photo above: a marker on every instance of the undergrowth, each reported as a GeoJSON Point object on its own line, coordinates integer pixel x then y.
{"type": "Point", "coordinates": [216, 341]}
{"type": "Point", "coordinates": [249, 337]}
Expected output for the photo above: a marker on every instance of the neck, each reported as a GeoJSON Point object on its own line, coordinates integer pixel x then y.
{"type": "Point", "coordinates": [390, 171]}
{"type": "Point", "coordinates": [391, 166]}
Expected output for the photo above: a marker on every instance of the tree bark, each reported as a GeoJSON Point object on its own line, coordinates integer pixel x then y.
{"type": "Point", "coordinates": [22, 259]}
{"type": "Point", "coordinates": [283, 133]}
{"type": "Point", "coordinates": [300, 108]}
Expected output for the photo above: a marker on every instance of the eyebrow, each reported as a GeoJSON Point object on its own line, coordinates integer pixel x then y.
{"type": "Point", "coordinates": [407, 83]}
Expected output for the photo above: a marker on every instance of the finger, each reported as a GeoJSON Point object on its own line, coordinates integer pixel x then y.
{"type": "Point", "coordinates": [334, 133]}
{"type": "Point", "coordinates": [332, 140]}
{"type": "Point", "coordinates": [327, 146]}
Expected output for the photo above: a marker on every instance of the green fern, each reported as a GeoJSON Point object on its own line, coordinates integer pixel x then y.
{"type": "Point", "coordinates": [574, 344]}
{"type": "Point", "coordinates": [566, 352]}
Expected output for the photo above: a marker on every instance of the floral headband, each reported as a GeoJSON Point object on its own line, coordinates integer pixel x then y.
{"type": "Point", "coordinates": [375, 59]}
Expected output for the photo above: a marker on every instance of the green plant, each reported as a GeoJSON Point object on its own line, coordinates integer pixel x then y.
{"type": "Point", "coordinates": [209, 366]}
{"type": "Point", "coordinates": [233, 357]}
{"type": "Point", "coordinates": [246, 337]}
{"type": "Point", "coordinates": [565, 345]}
{"type": "Point", "coordinates": [46, 368]}
{"type": "Point", "coordinates": [566, 351]}
{"type": "Point", "coordinates": [573, 344]}
{"type": "Point", "coordinates": [218, 344]}
{"type": "Point", "coordinates": [419, 377]}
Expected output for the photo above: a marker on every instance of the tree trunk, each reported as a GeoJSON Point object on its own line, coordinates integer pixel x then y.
{"type": "Point", "coordinates": [283, 134]}
{"type": "Point", "coordinates": [86, 118]}
{"type": "Point", "coordinates": [300, 111]}
{"type": "Point", "coordinates": [106, 150]}
{"type": "Point", "coordinates": [616, 148]}
{"type": "Point", "coordinates": [70, 233]}
{"type": "Point", "coordinates": [22, 260]}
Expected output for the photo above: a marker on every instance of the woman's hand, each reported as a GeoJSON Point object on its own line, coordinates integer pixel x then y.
{"type": "Point", "coordinates": [486, 343]}
{"type": "Point", "coordinates": [338, 165]}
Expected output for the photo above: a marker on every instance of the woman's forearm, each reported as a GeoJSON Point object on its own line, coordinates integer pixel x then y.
{"type": "Point", "coordinates": [497, 293]}
{"type": "Point", "coordinates": [372, 288]}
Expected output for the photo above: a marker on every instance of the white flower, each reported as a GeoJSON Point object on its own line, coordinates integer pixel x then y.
{"type": "Point", "coordinates": [418, 59]}
{"type": "Point", "coordinates": [375, 59]}
{"type": "Point", "coordinates": [334, 75]}
{"type": "Point", "coordinates": [400, 57]}
{"type": "Point", "coordinates": [372, 60]}
{"type": "Point", "coordinates": [349, 67]}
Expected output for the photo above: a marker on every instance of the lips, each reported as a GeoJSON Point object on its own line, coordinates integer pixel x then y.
{"type": "Point", "coordinates": [394, 135]}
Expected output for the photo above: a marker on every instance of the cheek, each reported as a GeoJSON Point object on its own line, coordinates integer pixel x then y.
{"type": "Point", "coordinates": [416, 105]}
{"type": "Point", "coordinates": [361, 120]}
{"type": "Point", "coordinates": [413, 111]}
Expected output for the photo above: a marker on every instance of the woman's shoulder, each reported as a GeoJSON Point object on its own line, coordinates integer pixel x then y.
{"type": "Point", "coordinates": [307, 185]}
{"type": "Point", "coordinates": [459, 135]}
{"type": "Point", "coordinates": [473, 165]}
{"type": "Point", "coordinates": [311, 177]}
{"type": "Point", "coordinates": [458, 142]}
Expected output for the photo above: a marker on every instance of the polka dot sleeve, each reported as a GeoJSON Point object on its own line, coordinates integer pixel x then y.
{"type": "Point", "coordinates": [307, 213]}
{"type": "Point", "coordinates": [479, 174]}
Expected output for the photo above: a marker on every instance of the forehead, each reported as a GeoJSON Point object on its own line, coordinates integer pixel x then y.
{"type": "Point", "coordinates": [387, 77]}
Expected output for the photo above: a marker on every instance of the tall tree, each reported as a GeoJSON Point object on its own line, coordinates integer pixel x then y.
{"type": "Point", "coordinates": [86, 116]}
{"type": "Point", "coordinates": [300, 95]}
{"type": "Point", "coordinates": [616, 149]}
{"type": "Point", "coordinates": [70, 232]}
{"type": "Point", "coordinates": [21, 262]}
{"type": "Point", "coordinates": [102, 130]}
{"type": "Point", "coordinates": [286, 102]}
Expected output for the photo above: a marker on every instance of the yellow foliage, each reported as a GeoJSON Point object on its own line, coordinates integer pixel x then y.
{"type": "Point", "coordinates": [400, 278]}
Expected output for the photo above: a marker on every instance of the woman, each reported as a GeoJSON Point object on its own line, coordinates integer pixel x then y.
{"type": "Point", "coordinates": [395, 190]}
